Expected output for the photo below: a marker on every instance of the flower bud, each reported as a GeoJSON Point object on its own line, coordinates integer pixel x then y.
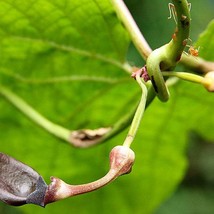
{"type": "Point", "coordinates": [121, 159]}
{"type": "Point", "coordinates": [20, 184]}
{"type": "Point", "coordinates": [208, 81]}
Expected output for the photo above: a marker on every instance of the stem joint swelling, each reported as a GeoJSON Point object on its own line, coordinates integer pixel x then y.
{"type": "Point", "coordinates": [166, 57]}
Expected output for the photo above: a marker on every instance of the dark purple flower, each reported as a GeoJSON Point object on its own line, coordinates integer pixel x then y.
{"type": "Point", "coordinates": [20, 184]}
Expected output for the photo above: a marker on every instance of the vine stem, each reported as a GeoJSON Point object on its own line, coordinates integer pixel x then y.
{"type": "Point", "coordinates": [59, 190]}
{"type": "Point", "coordinates": [167, 56]}
{"type": "Point", "coordinates": [66, 134]}
{"type": "Point", "coordinates": [207, 81]}
{"type": "Point", "coordinates": [131, 26]}
{"type": "Point", "coordinates": [185, 76]}
{"type": "Point", "coordinates": [138, 114]}
{"type": "Point", "coordinates": [199, 65]}
{"type": "Point", "coordinates": [26, 109]}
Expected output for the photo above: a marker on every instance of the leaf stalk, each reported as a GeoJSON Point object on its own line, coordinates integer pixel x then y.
{"type": "Point", "coordinates": [27, 110]}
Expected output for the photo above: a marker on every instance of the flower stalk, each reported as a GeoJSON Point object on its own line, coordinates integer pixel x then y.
{"type": "Point", "coordinates": [39, 119]}
{"type": "Point", "coordinates": [139, 112]}
{"type": "Point", "coordinates": [121, 161]}
{"type": "Point", "coordinates": [184, 75]}
{"type": "Point", "coordinates": [207, 81]}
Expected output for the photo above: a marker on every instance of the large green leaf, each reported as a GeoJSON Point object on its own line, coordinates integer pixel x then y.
{"type": "Point", "coordinates": [66, 59]}
{"type": "Point", "coordinates": [206, 42]}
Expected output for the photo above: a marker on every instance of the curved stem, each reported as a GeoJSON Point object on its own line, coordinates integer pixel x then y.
{"type": "Point", "coordinates": [121, 162]}
{"type": "Point", "coordinates": [59, 190]}
{"type": "Point", "coordinates": [62, 132]}
{"type": "Point", "coordinates": [125, 121]}
{"type": "Point", "coordinates": [196, 64]}
{"type": "Point", "coordinates": [26, 109]}
{"type": "Point", "coordinates": [134, 32]}
{"type": "Point", "coordinates": [166, 57]}
{"type": "Point", "coordinates": [153, 65]}
{"type": "Point", "coordinates": [138, 114]}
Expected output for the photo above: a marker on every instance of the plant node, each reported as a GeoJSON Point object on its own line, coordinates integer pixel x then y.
{"type": "Point", "coordinates": [166, 57]}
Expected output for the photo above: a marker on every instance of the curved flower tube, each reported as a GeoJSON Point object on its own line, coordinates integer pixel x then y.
{"type": "Point", "coordinates": [121, 161]}
{"type": "Point", "coordinates": [20, 184]}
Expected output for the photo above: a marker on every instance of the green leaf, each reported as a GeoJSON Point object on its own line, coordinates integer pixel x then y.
{"type": "Point", "coordinates": [190, 200]}
{"type": "Point", "coordinates": [206, 42]}
{"type": "Point", "coordinates": [57, 42]}
{"type": "Point", "coordinates": [60, 36]}
{"type": "Point", "coordinates": [66, 59]}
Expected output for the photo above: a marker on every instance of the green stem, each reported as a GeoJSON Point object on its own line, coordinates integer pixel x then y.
{"type": "Point", "coordinates": [166, 57]}
{"type": "Point", "coordinates": [133, 30]}
{"type": "Point", "coordinates": [138, 114]}
{"type": "Point", "coordinates": [62, 132]}
{"type": "Point", "coordinates": [27, 110]}
{"type": "Point", "coordinates": [185, 76]}
{"type": "Point", "coordinates": [153, 67]}
{"type": "Point", "coordinates": [125, 121]}
{"type": "Point", "coordinates": [181, 35]}
{"type": "Point", "coordinates": [145, 51]}
{"type": "Point", "coordinates": [196, 64]}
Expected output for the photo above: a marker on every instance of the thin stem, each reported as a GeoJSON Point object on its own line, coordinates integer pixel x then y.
{"type": "Point", "coordinates": [125, 121]}
{"type": "Point", "coordinates": [185, 76]}
{"type": "Point", "coordinates": [27, 110]}
{"type": "Point", "coordinates": [62, 132]}
{"type": "Point", "coordinates": [207, 81]}
{"type": "Point", "coordinates": [133, 30]}
{"type": "Point", "coordinates": [121, 162]}
{"type": "Point", "coordinates": [92, 186]}
{"type": "Point", "coordinates": [59, 190]}
{"type": "Point", "coordinates": [138, 114]}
